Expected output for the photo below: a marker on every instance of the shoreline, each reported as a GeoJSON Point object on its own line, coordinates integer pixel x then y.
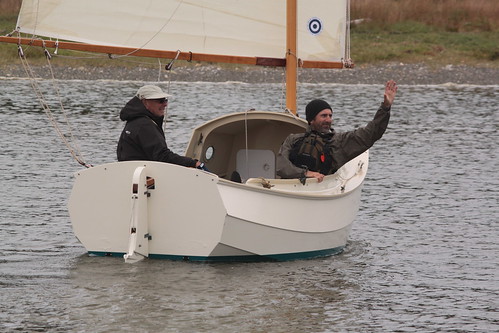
{"type": "Point", "coordinates": [404, 74]}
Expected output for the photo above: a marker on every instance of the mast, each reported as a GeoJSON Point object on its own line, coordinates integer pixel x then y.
{"type": "Point", "coordinates": [291, 54]}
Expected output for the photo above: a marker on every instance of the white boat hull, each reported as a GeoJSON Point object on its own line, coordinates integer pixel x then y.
{"type": "Point", "coordinates": [195, 215]}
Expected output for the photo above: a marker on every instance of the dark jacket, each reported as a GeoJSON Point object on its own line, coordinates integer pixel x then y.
{"type": "Point", "coordinates": [144, 139]}
{"type": "Point", "coordinates": [344, 146]}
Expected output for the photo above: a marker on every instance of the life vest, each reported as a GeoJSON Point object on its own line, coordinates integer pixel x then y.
{"type": "Point", "coordinates": [313, 152]}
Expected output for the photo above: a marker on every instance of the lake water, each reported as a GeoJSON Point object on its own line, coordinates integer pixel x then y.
{"type": "Point", "coordinates": [422, 256]}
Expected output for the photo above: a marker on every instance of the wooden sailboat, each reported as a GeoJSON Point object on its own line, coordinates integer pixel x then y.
{"type": "Point", "coordinates": [145, 209]}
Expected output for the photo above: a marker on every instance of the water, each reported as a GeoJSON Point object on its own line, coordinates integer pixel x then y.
{"type": "Point", "coordinates": [422, 257]}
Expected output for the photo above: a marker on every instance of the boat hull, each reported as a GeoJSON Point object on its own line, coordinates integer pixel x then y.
{"type": "Point", "coordinates": [195, 215]}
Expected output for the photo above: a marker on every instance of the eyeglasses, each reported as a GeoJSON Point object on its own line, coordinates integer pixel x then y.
{"type": "Point", "coordinates": [160, 100]}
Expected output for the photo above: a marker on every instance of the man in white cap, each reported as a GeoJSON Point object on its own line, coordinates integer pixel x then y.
{"type": "Point", "coordinates": [143, 137]}
{"type": "Point", "coordinates": [321, 151]}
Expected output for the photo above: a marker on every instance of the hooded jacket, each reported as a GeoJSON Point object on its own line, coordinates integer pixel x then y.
{"type": "Point", "coordinates": [144, 139]}
{"type": "Point", "coordinates": [343, 146]}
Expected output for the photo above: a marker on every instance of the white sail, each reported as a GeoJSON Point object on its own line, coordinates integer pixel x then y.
{"type": "Point", "coordinates": [254, 28]}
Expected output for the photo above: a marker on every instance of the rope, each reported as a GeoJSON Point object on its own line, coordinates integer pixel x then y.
{"type": "Point", "coordinates": [159, 69]}
{"type": "Point", "coordinates": [153, 36]}
{"type": "Point", "coordinates": [344, 180]}
{"type": "Point", "coordinates": [168, 87]}
{"type": "Point", "coordinates": [246, 141]}
{"type": "Point", "coordinates": [347, 60]}
{"type": "Point", "coordinates": [283, 91]}
{"type": "Point", "coordinates": [71, 144]}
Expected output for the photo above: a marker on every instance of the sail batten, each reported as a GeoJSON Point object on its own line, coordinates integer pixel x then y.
{"type": "Point", "coordinates": [249, 29]}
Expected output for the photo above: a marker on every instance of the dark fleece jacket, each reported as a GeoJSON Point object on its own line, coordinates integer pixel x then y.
{"type": "Point", "coordinates": [144, 139]}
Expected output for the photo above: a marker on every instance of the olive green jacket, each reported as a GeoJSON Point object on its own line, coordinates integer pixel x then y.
{"type": "Point", "coordinates": [344, 145]}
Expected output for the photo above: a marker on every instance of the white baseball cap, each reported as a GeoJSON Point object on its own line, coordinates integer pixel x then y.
{"type": "Point", "coordinates": [151, 92]}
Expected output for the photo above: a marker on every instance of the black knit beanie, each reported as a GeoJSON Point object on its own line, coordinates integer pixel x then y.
{"type": "Point", "coordinates": [314, 107]}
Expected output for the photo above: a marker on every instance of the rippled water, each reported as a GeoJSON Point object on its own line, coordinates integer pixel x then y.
{"type": "Point", "coordinates": [423, 254]}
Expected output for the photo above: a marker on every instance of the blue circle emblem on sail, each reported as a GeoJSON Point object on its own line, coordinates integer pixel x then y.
{"type": "Point", "coordinates": [315, 26]}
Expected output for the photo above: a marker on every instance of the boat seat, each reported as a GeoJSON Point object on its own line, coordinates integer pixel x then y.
{"type": "Point", "coordinates": [254, 163]}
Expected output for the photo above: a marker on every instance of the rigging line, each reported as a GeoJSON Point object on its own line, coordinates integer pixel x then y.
{"type": "Point", "coordinates": [74, 57]}
{"type": "Point", "coordinates": [91, 55]}
{"type": "Point", "coordinates": [283, 90]}
{"type": "Point", "coordinates": [345, 180]}
{"type": "Point", "coordinates": [36, 88]}
{"type": "Point", "coordinates": [348, 59]}
{"type": "Point", "coordinates": [246, 143]}
{"type": "Point", "coordinates": [159, 70]}
{"type": "Point", "coordinates": [11, 33]}
{"type": "Point", "coordinates": [73, 143]}
{"type": "Point", "coordinates": [153, 36]}
{"type": "Point", "coordinates": [168, 88]}
{"type": "Point", "coordinates": [124, 60]}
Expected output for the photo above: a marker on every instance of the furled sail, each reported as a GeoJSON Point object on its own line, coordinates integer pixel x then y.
{"type": "Point", "coordinates": [253, 28]}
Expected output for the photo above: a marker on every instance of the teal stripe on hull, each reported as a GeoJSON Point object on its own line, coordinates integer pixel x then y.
{"type": "Point", "coordinates": [249, 258]}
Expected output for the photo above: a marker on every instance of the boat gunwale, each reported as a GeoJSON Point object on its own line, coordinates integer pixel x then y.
{"type": "Point", "coordinates": [311, 195]}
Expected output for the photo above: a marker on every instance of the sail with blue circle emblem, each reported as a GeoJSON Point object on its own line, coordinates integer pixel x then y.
{"type": "Point", "coordinates": [255, 28]}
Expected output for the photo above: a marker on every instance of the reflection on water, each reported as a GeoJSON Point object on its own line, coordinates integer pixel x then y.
{"type": "Point", "coordinates": [422, 255]}
{"type": "Point", "coordinates": [235, 294]}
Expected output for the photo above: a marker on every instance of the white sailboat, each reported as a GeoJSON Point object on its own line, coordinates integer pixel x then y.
{"type": "Point", "coordinates": [142, 209]}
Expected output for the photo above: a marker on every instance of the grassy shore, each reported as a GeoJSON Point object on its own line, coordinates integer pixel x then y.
{"type": "Point", "coordinates": [434, 33]}
{"type": "Point", "coordinates": [414, 42]}
{"type": "Point", "coordinates": [456, 32]}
